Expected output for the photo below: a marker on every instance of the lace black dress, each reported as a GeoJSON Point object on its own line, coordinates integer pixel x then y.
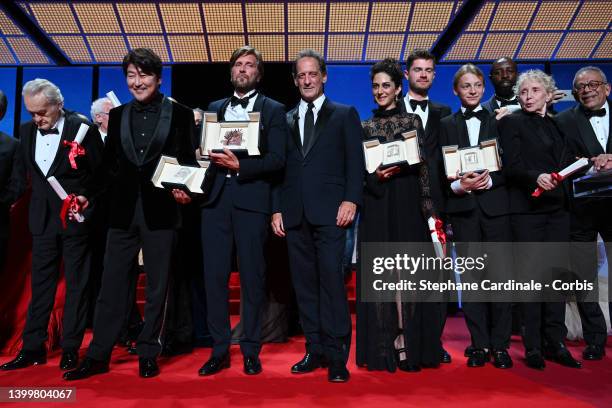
{"type": "Point", "coordinates": [396, 210]}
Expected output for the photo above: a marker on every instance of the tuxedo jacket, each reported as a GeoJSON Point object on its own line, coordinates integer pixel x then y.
{"type": "Point", "coordinates": [125, 175]}
{"type": "Point", "coordinates": [582, 142]}
{"type": "Point", "coordinates": [491, 105]}
{"type": "Point", "coordinates": [328, 171]}
{"type": "Point", "coordinates": [253, 189]}
{"type": "Point", "coordinates": [494, 201]}
{"type": "Point", "coordinates": [527, 154]}
{"type": "Point", "coordinates": [45, 204]}
{"type": "Point", "coordinates": [12, 180]}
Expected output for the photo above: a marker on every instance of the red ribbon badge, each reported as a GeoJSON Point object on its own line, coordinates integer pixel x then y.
{"type": "Point", "coordinates": [70, 204]}
{"type": "Point", "coordinates": [538, 191]}
{"type": "Point", "coordinates": [439, 230]}
{"type": "Point", "coordinates": [75, 151]}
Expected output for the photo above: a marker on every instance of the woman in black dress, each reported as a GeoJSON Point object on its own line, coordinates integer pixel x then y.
{"type": "Point", "coordinates": [534, 148]}
{"type": "Point", "coordinates": [397, 204]}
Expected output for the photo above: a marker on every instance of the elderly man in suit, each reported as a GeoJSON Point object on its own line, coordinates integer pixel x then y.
{"type": "Point", "coordinates": [237, 211]}
{"type": "Point", "coordinates": [45, 147]}
{"type": "Point", "coordinates": [587, 130]}
{"type": "Point", "coordinates": [140, 214]}
{"type": "Point", "coordinates": [12, 182]}
{"type": "Point", "coordinates": [316, 201]}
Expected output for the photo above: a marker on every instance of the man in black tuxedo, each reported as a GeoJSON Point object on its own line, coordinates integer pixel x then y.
{"type": "Point", "coordinates": [503, 77]}
{"type": "Point", "coordinates": [477, 208]}
{"type": "Point", "coordinates": [45, 154]}
{"type": "Point", "coordinates": [141, 215]}
{"type": "Point", "coordinates": [587, 130]}
{"type": "Point", "coordinates": [317, 200]}
{"type": "Point", "coordinates": [420, 73]}
{"type": "Point", "coordinates": [237, 211]}
{"type": "Point", "coordinates": [12, 181]}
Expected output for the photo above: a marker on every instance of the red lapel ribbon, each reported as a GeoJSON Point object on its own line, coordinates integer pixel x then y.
{"type": "Point", "coordinates": [70, 204]}
{"type": "Point", "coordinates": [440, 231]}
{"type": "Point", "coordinates": [538, 191]}
{"type": "Point", "coordinates": [75, 151]}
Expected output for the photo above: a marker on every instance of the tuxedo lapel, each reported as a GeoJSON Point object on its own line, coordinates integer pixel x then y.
{"type": "Point", "coordinates": [326, 110]}
{"type": "Point", "coordinates": [463, 138]}
{"type": "Point", "coordinates": [587, 134]}
{"type": "Point", "coordinates": [483, 133]}
{"type": "Point", "coordinates": [294, 128]}
{"type": "Point", "coordinates": [68, 133]}
{"type": "Point", "coordinates": [127, 142]}
{"type": "Point", "coordinates": [162, 130]}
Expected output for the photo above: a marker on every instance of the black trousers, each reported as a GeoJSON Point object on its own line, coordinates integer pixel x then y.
{"type": "Point", "coordinates": [224, 225]}
{"type": "Point", "coordinates": [543, 322]}
{"type": "Point", "coordinates": [315, 258]}
{"type": "Point", "coordinates": [112, 307]}
{"type": "Point", "coordinates": [48, 250]}
{"type": "Point", "coordinates": [490, 324]}
{"type": "Point", "coordinates": [587, 220]}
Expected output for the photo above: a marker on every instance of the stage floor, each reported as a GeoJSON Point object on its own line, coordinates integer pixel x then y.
{"type": "Point", "coordinates": [453, 384]}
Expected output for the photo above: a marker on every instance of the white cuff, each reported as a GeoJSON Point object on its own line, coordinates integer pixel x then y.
{"type": "Point", "coordinates": [457, 189]}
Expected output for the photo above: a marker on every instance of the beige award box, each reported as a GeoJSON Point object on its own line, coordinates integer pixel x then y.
{"type": "Point", "coordinates": [484, 156]}
{"type": "Point", "coordinates": [241, 137]}
{"type": "Point", "coordinates": [403, 151]}
{"type": "Point", "coordinates": [170, 174]}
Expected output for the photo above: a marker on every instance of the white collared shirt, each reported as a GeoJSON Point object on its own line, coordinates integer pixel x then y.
{"type": "Point", "coordinates": [473, 126]}
{"type": "Point", "coordinates": [601, 126]}
{"type": "Point", "coordinates": [47, 146]}
{"type": "Point", "coordinates": [238, 112]}
{"type": "Point", "coordinates": [303, 108]}
{"type": "Point", "coordinates": [102, 135]}
{"type": "Point", "coordinates": [511, 108]}
{"type": "Point", "coordinates": [423, 114]}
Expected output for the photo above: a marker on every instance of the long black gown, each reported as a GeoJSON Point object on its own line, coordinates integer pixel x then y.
{"type": "Point", "coordinates": [396, 210]}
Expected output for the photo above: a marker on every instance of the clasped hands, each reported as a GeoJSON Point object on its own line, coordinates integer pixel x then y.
{"type": "Point", "coordinates": [472, 180]}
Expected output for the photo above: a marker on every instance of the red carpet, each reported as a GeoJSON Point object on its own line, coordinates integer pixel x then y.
{"type": "Point", "coordinates": [451, 385]}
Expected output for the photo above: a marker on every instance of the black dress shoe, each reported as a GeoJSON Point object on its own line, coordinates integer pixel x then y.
{"type": "Point", "coordinates": [560, 354]}
{"type": "Point", "coordinates": [87, 368]}
{"type": "Point", "coordinates": [535, 360]}
{"type": "Point", "coordinates": [147, 367]}
{"type": "Point", "coordinates": [337, 372]}
{"type": "Point", "coordinates": [252, 365]}
{"type": "Point", "coordinates": [469, 350]}
{"type": "Point", "coordinates": [25, 359]}
{"type": "Point", "coordinates": [69, 360]}
{"type": "Point", "coordinates": [501, 359]}
{"type": "Point", "coordinates": [309, 363]}
{"type": "Point", "coordinates": [215, 364]}
{"type": "Point", "coordinates": [445, 357]}
{"type": "Point", "coordinates": [593, 352]}
{"type": "Point", "coordinates": [478, 358]}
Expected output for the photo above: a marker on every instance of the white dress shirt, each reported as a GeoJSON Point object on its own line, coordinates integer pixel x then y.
{"type": "Point", "coordinates": [47, 146]}
{"type": "Point", "coordinates": [102, 135]}
{"type": "Point", "coordinates": [238, 112]}
{"type": "Point", "coordinates": [303, 108]}
{"type": "Point", "coordinates": [423, 114]}
{"type": "Point", "coordinates": [473, 128]}
{"type": "Point", "coordinates": [601, 127]}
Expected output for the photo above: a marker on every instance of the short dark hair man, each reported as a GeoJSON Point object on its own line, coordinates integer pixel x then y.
{"type": "Point", "coordinates": [45, 154]}
{"type": "Point", "coordinates": [503, 76]}
{"type": "Point", "coordinates": [586, 127]}
{"type": "Point", "coordinates": [420, 73]}
{"type": "Point", "coordinates": [317, 200]}
{"type": "Point", "coordinates": [141, 215]}
{"type": "Point", "coordinates": [237, 210]}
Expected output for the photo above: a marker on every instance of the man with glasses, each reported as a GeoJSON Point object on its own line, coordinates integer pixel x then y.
{"type": "Point", "coordinates": [587, 129]}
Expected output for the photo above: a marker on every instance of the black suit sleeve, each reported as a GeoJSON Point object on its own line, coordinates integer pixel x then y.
{"type": "Point", "coordinates": [273, 159]}
{"type": "Point", "coordinates": [354, 160]}
{"type": "Point", "coordinates": [514, 168]}
{"type": "Point", "coordinates": [16, 180]}
{"type": "Point", "coordinates": [93, 153]}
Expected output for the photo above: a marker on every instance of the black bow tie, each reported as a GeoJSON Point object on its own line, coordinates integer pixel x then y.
{"type": "Point", "coordinates": [414, 103]}
{"type": "Point", "coordinates": [244, 102]}
{"type": "Point", "coordinates": [506, 102]}
{"type": "Point", "coordinates": [53, 131]}
{"type": "Point", "coordinates": [599, 112]}
{"type": "Point", "coordinates": [480, 115]}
